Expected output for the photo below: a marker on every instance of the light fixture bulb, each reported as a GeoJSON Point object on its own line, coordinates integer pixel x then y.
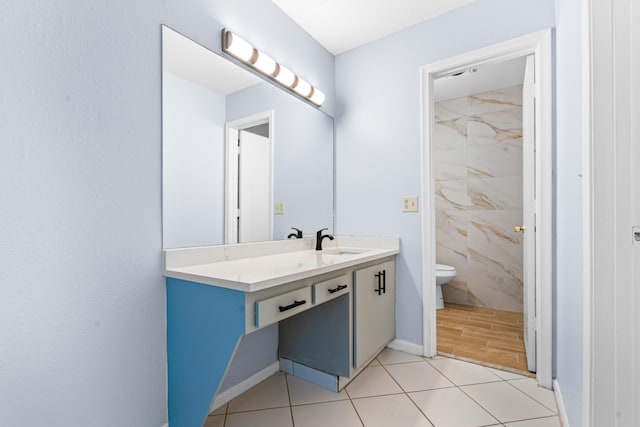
{"type": "Point", "coordinates": [317, 96]}
{"type": "Point", "coordinates": [285, 76]}
{"type": "Point", "coordinates": [238, 47]}
{"type": "Point", "coordinates": [302, 87]}
{"type": "Point", "coordinates": [265, 64]}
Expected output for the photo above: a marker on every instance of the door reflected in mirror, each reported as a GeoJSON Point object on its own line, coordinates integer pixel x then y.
{"type": "Point", "coordinates": [212, 194]}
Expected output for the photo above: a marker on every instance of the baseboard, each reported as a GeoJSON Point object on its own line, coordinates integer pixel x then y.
{"type": "Point", "coordinates": [561, 409]}
{"type": "Point", "coordinates": [243, 386]}
{"type": "Point", "coordinates": [406, 346]}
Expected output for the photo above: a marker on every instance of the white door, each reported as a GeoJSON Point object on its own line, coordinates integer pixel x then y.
{"type": "Point", "coordinates": [528, 213]}
{"type": "Point", "coordinates": [254, 188]}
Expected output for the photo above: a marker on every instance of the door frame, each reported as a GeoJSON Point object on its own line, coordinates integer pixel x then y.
{"type": "Point", "coordinates": [232, 132]}
{"type": "Point", "coordinates": [538, 44]}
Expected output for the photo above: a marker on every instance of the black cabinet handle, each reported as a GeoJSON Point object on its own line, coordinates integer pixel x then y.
{"type": "Point", "coordinates": [382, 282]}
{"type": "Point", "coordinates": [290, 306]}
{"type": "Point", "coordinates": [339, 288]}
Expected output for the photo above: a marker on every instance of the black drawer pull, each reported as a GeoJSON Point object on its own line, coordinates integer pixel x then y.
{"type": "Point", "coordinates": [382, 282]}
{"type": "Point", "coordinates": [339, 288]}
{"type": "Point", "coordinates": [290, 306]}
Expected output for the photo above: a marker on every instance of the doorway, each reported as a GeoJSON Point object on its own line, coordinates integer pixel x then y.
{"type": "Point", "coordinates": [483, 170]}
{"type": "Point", "coordinates": [538, 45]}
{"type": "Point", "coordinates": [249, 179]}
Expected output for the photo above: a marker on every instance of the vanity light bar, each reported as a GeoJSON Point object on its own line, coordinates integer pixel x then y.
{"type": "Point", "coordinates": [260, 61]}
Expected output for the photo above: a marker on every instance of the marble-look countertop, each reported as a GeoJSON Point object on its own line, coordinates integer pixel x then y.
{"type": "Point", "coordinates": [252, 267]}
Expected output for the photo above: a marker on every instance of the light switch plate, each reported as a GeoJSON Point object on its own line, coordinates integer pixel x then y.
{"type": "Point", "coordinates": [279, 208]}
{"type": "Point", "coordinates": [410, 204]}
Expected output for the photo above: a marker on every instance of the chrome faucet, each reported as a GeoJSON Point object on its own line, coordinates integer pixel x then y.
{"type": "Point", "coordinates": [297, 235]}
{"type": "Point", "coordinates": [320, 237]}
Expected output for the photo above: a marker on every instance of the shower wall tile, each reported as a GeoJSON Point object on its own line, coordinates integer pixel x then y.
{"type": "Point", "coordinates": [495, 100]}
{"type": "Point", "coordinates": [451, 239]}
{"type": "Point", "coordinates": [495, 193]}
{"type": "Point", "coordinates": [495, 160]}
{"type": "Point", "coordinates": [450, 134]}
{"type": "Point", "coordinates": [497, 126]}
{"type": "Point", "coordinates": [452, 195]}
{"type": "Point", "coordinates": [451, 109]}
{"type": "Point", "coordinates": [451, 164]}
{"type": "Point", "coordinates": [478, 169]}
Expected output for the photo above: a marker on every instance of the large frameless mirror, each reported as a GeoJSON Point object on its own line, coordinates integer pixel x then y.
{"type": "Point", "coordinates": [242, 159]}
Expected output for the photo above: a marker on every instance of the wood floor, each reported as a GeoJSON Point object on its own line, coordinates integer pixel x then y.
{"type": "Point", "coordinates": [482, 334]}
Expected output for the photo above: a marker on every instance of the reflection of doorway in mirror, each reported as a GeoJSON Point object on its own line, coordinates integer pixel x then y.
{"type": "Point", "coordinates": [249, 193]}
{"type": "Point", "coordinates": [254, 171]}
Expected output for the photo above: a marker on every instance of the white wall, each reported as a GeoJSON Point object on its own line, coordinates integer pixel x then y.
{"type": "Point", "coordinates": [82, 304]}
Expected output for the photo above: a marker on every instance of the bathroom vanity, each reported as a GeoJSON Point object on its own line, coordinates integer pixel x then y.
{"type": "Point", "coordinates": [335, 309]}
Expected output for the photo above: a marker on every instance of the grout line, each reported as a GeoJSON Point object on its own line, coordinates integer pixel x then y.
{"type": "Point", "coordinates": [286, 382]}
{"type": "Point", "coordinates": [555, 411]}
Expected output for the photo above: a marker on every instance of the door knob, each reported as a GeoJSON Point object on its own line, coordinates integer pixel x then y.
{"type": "Point", "coordinates": [519, 229]}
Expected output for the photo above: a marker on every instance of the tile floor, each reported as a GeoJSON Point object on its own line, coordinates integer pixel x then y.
{"type": "Point", "coordinates": [483, 334]}
{"type": "Point", "coordinates": [397, 390]}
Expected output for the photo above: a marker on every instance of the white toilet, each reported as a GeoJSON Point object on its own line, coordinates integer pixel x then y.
{"type": "Point", "coordinates": [444, 274]}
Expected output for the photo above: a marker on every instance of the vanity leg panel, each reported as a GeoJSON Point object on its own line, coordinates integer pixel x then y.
{"type": "Point", "coordinates": [204, 324]}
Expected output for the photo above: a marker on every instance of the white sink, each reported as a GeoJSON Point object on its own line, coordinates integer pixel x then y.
{"type": "Point", "coordinates": [345, 251]}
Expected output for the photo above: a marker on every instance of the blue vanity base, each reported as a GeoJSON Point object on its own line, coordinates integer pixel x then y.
{"type": "Point", "coordinates": [204, 326]}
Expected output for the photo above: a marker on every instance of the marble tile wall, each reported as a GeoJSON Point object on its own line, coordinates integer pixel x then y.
{"type": "Point", "coordinates": [478, 170]}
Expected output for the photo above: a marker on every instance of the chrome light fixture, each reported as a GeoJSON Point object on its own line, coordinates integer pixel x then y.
{"type": "Point", "coordinates": [263, 63]}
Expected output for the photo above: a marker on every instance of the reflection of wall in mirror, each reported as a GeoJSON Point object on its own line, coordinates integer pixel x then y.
{"type": "Point", "coordinates": [193, 163]}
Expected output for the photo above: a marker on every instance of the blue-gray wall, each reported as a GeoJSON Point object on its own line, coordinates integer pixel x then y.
{"type": "Point", "coordinates": [568, 200]}
{"type": "Point", "coordinates": [82, 303]}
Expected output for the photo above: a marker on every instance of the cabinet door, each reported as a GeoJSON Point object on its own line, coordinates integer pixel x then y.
{"type": "Point", "coordinates": [374, 310]}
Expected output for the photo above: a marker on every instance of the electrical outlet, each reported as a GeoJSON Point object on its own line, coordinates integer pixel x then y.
{"type": "Point", "coordinates": [279, 208]}
{"type": "Point", "coordinates": [410, 204]}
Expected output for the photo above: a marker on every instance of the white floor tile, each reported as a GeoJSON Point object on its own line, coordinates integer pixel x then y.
{"type": "Point", "coordinates": [540, 422]}
{"type": "Point", "coordinates": [418, 376]}
{"type": "Point", "coordinates": [373, 381]}
{"type": "Point", "coordinates": [505, 375]}
{"type": "Point", "coordinates": [505, 403]}
{"type": "Point", "coordinates": [464, 373]}
{"type": "Point", "coordinates": [450, 407]}
{"type": "Point", "coordinates": [214, 421]}
{"type": "Point", "coordinates": [374, 362]}
{"type": "Point", "coordinates": [303, 392]}
{"type": "Point", "coordinates": [390, 356]}
{"type": "Point", "coordinates": [385, 411]}
{"type": "Point", "coordinates": [334, 414]}
{"type": "Point", "coordinates": [541, 394]}
{"type": "Point", "coordinates": [270, 393]}
{"type": "Point", "coordinates": [279, 417]}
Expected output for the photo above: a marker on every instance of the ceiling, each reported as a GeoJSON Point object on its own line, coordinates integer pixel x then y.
{"type": "Point", "coordinates": [341, 25]}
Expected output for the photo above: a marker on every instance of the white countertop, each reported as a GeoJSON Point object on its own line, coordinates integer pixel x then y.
{"type": "Point", "coordinates": [255, 266]}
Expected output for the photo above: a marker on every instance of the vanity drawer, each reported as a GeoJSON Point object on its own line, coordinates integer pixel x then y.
{"type": "Point", "coordinates": [332, 288]}
{"type": "Point", "coordinates": [274, 309]}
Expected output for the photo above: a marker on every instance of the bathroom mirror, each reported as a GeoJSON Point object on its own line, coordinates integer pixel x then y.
{"type": "Point", "coordinates": [208, 103]}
